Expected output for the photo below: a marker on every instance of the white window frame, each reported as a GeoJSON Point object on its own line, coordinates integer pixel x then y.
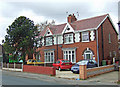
{"type": "Point", "coordinates": [67, 54]}
{"type": "Point", "coordinates": [110, 54]}
{"type": "Point", "coordinates": [85, 54]}
{"type": "Point", "coordinates": [37, 57]}
{"type": "Point", "coordinates": [85, 34]}
{"type": "Point", "coordinates": [68, 38]}
{"type": "Point", "coordinates": [48, 41]}
{"type": "Point", "coordinates": [48, 56]}
{"type": "Point", "coordinates": [114, 53]}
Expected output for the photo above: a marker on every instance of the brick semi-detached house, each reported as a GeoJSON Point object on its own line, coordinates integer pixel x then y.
{"type": "Point", "coordinates": [92, 38]}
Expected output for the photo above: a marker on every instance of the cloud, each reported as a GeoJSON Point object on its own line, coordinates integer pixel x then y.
{"type": "Point", "coordinates": [41, 10]}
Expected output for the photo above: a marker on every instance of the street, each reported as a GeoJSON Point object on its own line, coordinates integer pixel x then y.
{"type": "Point", "coordinates": [13, 79]}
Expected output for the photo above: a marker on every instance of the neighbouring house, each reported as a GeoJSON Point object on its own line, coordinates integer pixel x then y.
{"type": "Point", "coordinates": [1, 53]}
{"type": "Point", "coordinates": [92, 38]}
{"type": "Point", "coordinates": [119, 40]}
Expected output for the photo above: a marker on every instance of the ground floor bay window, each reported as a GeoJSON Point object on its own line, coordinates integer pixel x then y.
{"type": "Point", "coordinates": [49, 56]}
{"type": "Point", "coordinates": [69, 55]}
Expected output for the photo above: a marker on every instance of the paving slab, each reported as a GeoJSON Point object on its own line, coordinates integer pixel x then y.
{"type": "Point", "coordinates": [111, 77]}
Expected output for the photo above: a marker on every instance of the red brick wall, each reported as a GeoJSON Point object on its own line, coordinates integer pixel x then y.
{"type": "Point", "coordinates": [39, 69]}
{"type": "Point", "coordinates": [100, 68]}
{"type": "Point", "coordinates": [83, 71]}
{"type": "Point", "coordinates": [81, 46]}
{"type": "Point", "coordinates": [108, 47]}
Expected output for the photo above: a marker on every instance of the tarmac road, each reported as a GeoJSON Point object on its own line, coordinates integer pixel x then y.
{"type": "Point", "coordinates": [22, 78]}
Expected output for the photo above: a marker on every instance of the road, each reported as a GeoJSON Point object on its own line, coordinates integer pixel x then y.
{"type": "Point", "coordinates": [8, 79]}
{"type": "Point", "coordinates": [16, 79]}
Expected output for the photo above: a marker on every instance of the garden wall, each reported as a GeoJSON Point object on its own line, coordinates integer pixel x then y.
{"type": "Point", "coordinates": [86, 73]}
{"type": "Point", "coordinates": [39, 69]}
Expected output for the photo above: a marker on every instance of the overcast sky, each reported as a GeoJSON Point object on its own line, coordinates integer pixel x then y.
{"type": "Point", "coordinates": [42, 10]}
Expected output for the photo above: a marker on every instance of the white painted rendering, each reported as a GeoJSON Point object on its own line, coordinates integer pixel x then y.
{"type": "Point", "coordinates": [55, 39]}
{"type": "Point", "coordinates": [60, 39]}
{"type": "Point", "coordinates": [42, 41]}
{"type": "Point", "coordinates": [92, 36]}
{"type": "Point", "coordinates": [77, 37]}
{"type": "Point", "coordinates": [67, 31]}
{"type": "Point", "coordinates": [48, 30]}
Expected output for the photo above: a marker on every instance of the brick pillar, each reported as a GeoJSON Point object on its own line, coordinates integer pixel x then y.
{"type": "Point", "coordinates": [54, 71]}
{"type": "Point", "coordinates": [82, 72]}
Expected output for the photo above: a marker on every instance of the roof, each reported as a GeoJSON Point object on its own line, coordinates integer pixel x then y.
{"type": "Point", "coordinates": [89, 23]}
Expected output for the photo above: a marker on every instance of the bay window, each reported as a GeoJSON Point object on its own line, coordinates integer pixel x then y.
{"type": "Point", "coordinates": [49, 56]}
{"type": "Point", "coordinates": [69, 55]}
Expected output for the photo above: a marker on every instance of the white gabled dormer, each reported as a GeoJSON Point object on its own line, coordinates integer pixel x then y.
{"type": "Point", "coordinates": [48, 32]}
{"type": "Point", "coordinates": [67, 29]}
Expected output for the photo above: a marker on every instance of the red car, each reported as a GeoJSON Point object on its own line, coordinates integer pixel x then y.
{"type": "Point", "coordinates": [62, 64]}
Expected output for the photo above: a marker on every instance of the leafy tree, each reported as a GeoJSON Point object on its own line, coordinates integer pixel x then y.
{"type": "Point", "coordinates": [43, 25]}
{"type": "Point", "coordinates": [20, 37]}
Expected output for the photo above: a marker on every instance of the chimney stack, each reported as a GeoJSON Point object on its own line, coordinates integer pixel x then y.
{"type": "Point", "coordinates": [71, 18]}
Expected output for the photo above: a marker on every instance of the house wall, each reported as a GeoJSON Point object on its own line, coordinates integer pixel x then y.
{"type": "Point", "coordinates": [107, 47]}
{"type": "Point", "coordinates": [80, 48]}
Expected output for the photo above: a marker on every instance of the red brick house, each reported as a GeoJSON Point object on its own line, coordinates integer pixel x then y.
{"type": "Point", "coordinates": [92, 38]}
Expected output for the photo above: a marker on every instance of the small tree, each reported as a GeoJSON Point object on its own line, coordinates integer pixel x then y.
{"type": "Point", "coordinates": [20, 37]}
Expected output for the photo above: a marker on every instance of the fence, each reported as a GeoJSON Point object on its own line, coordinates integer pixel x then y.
{"type": "Point", "coordinates": [12, 66]}
{"type": "Point", "coordinates": [86, 73]}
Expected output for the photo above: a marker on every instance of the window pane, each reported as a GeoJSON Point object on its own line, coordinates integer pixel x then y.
{"type": "Point", "coordinates": [49, 56]}
{"type": "Point", "coordinates": [48, 40]}
{"type": "Point", "coordinates": [73, 58]}
{"type": "Point", "coordinates": [68, 38]}
{"type": "Point", "coordinates": [87, 56]}
{"type": "Point", "coordinates": [66, 57]}
{"type": "Point", "coordinates": [85, 36]}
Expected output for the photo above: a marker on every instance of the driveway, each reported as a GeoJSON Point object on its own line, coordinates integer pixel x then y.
{"type": "Point", "coordinates": [66, 74]}
{"type": "Point", "coordinates": [111, 77]}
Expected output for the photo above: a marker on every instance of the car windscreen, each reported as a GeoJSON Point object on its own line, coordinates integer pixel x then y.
{"type": "Point", "coordinates": [65, 61]}
{"type": "Point", "coordinates": [34, 61]}
{"type": "Point", "coordinates": [30, 60]}
{"type": "Point", "coordinates": [82, 62]}
{"type": "Point", "coordinates": [76, 64]}
{"type": "Point", "coordinates": [38, 61]}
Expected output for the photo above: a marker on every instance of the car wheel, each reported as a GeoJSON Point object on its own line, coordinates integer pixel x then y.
{"type": "Point", "coordinates": [59, 69]}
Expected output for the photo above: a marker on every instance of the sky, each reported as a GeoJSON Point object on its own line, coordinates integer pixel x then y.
{"type": "Point", "coordinates": [42, 10]}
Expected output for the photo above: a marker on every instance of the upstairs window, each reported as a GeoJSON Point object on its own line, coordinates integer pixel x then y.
{"type": "Point", "coordinates": [48, 41]}
{"type": "Point", "coordinates": [85, 36]}
{"type": "Point", "coordinates": [68, 38]}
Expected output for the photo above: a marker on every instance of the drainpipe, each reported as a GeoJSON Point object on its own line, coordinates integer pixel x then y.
{"type": "Point", "coordinates": [97, 48]}
{"type": "Point", "coordinates": [57, 45]}
{"type": "Point", "coordinates": [102, 42]}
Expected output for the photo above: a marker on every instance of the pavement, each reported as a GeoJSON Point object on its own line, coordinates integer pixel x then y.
{"type": "Point", "coordinates": [64, 80]}
{"type": "Point", "coordinates": [111, 77]}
